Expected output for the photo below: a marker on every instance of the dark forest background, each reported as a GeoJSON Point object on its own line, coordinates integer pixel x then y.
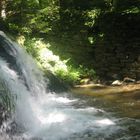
{"type": "Point", "coordinates": [96, 39]}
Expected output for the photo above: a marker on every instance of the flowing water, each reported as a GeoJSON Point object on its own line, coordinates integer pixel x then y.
{"type": "Point", "coordinates": [42, 115]}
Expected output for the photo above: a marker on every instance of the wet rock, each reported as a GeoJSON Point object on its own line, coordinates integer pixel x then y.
{"type": "Point", "coordinates": [128, 80]}
{"type": "Point", "coordinates": [138, 82]}
{"type": "Point", "coordinates": [117, 83]}
{"type": "Point", "coordinates": [85, 81]}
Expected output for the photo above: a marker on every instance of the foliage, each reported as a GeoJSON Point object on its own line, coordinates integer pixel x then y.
{"type": "Point", "coordinates": [87, 73]}
{"type": "Point", "coordinates": [76, 27]}
{"type": "Point", "coordinates": [50, 16]}
{"type": "Point", "coordinates": [91, 16]}
{"type": "Point", "coordinates": [51, 62]}
{"type": "Point", "coordinates": [31, 16]}
{"type": "Point", "coordinates": [45, 19]}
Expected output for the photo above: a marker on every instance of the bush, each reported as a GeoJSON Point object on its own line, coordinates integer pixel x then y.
{"type": "Point", "coordinates": [48, 61]}
{"type": "Point", "coordinates": [61, 69]}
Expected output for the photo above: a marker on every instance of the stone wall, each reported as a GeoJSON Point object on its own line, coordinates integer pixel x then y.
{"type": "Point", "coordinates": [118, 54]}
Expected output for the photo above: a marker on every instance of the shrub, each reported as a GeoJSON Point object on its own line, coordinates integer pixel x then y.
{"type": "Point", "coordinates": [48, 61]}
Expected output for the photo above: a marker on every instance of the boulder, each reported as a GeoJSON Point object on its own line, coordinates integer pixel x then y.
{"type": "Point", "coordinates": [116, 83]}
{"type": "Point", "coordinates": [129, 80]}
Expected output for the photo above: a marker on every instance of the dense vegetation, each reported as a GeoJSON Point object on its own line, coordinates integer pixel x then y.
{"type": "Point", "coordinates": [63, 35]}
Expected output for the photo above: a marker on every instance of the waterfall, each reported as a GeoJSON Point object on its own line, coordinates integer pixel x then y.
{"type": "Point", "coordinates": [23, 64]}
{"type": "Point", "coordinates": [22, 77]}
{"type": "Point", "coordinates": [40, 114]}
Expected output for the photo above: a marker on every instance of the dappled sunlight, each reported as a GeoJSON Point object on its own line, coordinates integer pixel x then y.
{"type": "Point", "coordinates": [51, 61]}
{"type": "Point", "coordinates": [48, 61]}
{"type": "Point", "coordinates": [47, 58]}
{"type": "Point", "coordinates": [47, 55]}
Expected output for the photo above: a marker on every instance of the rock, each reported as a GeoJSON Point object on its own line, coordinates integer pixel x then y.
{"type": "Point", "coordinates": [138, 82]}
{"type": "Point", "coordinates": [117, 83]}
{"type": "Point", "coordinates": [85, 81]}
{"type": "Point", "coordinates": [128, 80]}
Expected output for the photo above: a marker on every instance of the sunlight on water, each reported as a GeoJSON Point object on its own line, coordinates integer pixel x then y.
{"type": "Point", "coordinates": [91, 110]}
{"type": "Point", "coordinates": [63, 100]}
{"type": "Point", "coordinates": [105, 122]}
{"type": "Point", "coordinates": [45, 116]}
{"type": "Point", "coordinates": [55, 118]}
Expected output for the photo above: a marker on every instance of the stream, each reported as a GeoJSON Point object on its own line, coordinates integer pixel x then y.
{"type": "Point", "coordinates": [40, 114]}
{"type": "Point", "coordinates": [124, 107]}
{"type": "Point", "coordinates": [69, 116]}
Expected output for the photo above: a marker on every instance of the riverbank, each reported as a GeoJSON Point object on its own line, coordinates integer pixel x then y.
{"type": "Point", "coordinates": [123, 99]}
{"type": "Point", "coordinates": [99, 89]}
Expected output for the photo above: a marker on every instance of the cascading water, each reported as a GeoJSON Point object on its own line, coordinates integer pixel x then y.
{"type": "Point", "coordinates": [22, 78]}
{"type": "Point", "coordinates": [40, 114]}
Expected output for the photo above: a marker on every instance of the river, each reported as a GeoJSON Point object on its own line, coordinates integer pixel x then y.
{"type": "Point", "coordinates": [122, 104]}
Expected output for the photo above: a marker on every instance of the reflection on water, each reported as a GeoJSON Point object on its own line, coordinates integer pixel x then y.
{"type": "Point", "coordinates": [124, 106]}
{"type": "Point", "coordinates": [125, 103]}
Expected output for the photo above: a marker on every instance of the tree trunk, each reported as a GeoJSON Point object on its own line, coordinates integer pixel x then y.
{"type": "Point", "coordinates": [114, 4]}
